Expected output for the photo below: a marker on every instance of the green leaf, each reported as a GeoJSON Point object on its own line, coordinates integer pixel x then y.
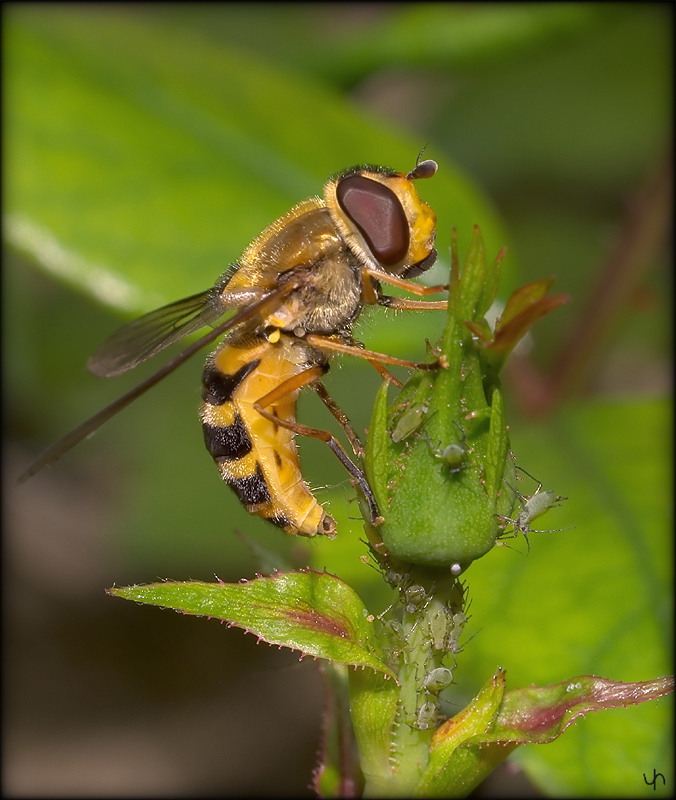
{"type": "Point", "coordinates": [467, 747]}
{"type": "Point", "coordinates": [454, 769]}
{"type": "Point", "coordinates": [313, 612]}
{"type": "Point", "coordinates": [541, 714]}
{"type": "Point", "coordinates": [462, 35]}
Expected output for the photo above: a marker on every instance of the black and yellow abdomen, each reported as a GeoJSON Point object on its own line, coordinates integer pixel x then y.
{"type": "Point", "coordinates": [256, 456]}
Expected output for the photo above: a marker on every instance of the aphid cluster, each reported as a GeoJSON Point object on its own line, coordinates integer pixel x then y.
{"type": "Point", "coordinates": [421, 632]}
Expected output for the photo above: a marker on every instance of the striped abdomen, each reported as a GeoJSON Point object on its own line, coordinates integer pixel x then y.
{"type": "Point", "coordinates": [257, 457]}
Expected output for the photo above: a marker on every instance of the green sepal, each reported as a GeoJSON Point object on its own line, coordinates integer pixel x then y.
{"type": "Point", "coordinates": [473, 286]}
{"type": "Point", "coordinates": [377, 454]}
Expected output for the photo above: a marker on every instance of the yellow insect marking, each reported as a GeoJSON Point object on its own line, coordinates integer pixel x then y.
{"type": "Point", "coordinates": [219, 416]}
{"type": "Point", "coordinates": [241, 468]}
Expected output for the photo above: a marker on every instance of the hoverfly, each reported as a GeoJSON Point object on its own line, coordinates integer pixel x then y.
{"type": "Point", "coordinates": [296, 290]}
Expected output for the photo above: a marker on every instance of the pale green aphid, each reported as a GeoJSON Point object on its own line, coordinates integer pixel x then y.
{"type": "Point", "coordinates": [427, 715]}
{"type": "Point", "coordinates": [453, 455]}
{"type": "Point", "coordinates": [445, 629]}
{"type": "Point", "coordinates": [414, 597]}
{"type": "Point", "coordinates": [532, 507]}
{"type": "Point", "coordinates": [409, 422]}
{"type": "Point", "coordinates": [437, 679]}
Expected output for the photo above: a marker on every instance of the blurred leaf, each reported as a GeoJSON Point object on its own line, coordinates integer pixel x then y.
{"type": "Point", "coordinates": [345, 42]}
{"type": "Point", "coordinates": [459, 35]}
{"type": "Point", "coordinates": [337, 773]}
{"type": "Point", "coordinates": [137, 177]}
{"type": "Point", "coordinates": [571, 121]}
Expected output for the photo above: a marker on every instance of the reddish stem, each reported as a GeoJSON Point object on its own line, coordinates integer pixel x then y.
{"type": "Point", "coordinates": [642, 234]}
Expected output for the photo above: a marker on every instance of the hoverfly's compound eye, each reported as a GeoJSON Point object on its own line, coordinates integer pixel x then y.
{"type": "Point", "coordinates": [379, 216]}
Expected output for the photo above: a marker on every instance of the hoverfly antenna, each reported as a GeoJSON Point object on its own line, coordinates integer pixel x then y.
{"type": "Point", "coordinates": [424, 169]}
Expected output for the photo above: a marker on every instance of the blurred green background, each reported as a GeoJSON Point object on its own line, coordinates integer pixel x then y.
{"type": "Point", "coordinates": [144, 147]}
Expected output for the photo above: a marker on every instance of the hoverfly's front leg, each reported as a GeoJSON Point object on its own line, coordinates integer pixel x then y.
{"type": "Point", "coordinates": [404, 304]}
{"type": "Point", "coordinates": [407, 286]}
{"type": "Point", "coordinates": [371, 296]}
{"type": "Point", "coordinates": [385, 374]}
{"type": "Point", "coordinates": [333, 345]}
{"type": "Point", "coordinates": [311, 377]}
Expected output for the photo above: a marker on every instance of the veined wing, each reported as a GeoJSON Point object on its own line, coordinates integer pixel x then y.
{"type": "Point", "coordinates": [270, 300]}
{"type": "Point", "coordinates": [142, 338]}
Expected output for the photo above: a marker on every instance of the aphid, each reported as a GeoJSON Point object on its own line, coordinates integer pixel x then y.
{"type": "Point", "coordinates": [297, 289]}
{"type": "Point", "coordinates": [427, 715]}
{"type": "Point", "coordinates": [453, 455]}
{"type": "Point", "coordinates": [445, 629]}
{"type": "Point", "coordinates": [437, 679]}
{"type": "Point", "coordinates": [532, 507]}
{"type": "Point", "coordinates": [392, 639]}
{"type": "Point", "coordinates": [414, 597]}
{"type": "Point", "coordinates": [409, 422]}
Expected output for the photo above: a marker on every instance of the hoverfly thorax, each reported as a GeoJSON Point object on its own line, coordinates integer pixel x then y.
{"type": "Point", "coordinates": [381, 217]}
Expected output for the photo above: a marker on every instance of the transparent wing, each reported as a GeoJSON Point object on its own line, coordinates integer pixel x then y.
{"type": "Point", "coordinates": [142, 338]}
{"type": "Point", "coordinates": [93, 423]}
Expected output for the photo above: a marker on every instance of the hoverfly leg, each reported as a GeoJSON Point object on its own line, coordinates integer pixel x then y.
{"type": "Point", "coordinates": [385, 374]}
{"type": "Point", "coordinates": [402, 283]}
{"type": "Point", "coordinates": [404, 304]}
{"type": "Point", "coordinates": [368, 290]}
{"type": "Point", "coordinates": [294, 383]}
{"type": "Point", "coordinates": [333, 345]}
{"type": "Point", "coordinates": [358, 475]}
{"type": "Point", "coordinates": [340, 416]}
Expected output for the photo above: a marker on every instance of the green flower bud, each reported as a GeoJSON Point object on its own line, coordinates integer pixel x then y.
{"type": "Point", "coordinates": [438, 459]}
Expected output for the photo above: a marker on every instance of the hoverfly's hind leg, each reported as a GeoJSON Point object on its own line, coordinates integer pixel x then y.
{"type": "Point", "coordinates": [311, 377]}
